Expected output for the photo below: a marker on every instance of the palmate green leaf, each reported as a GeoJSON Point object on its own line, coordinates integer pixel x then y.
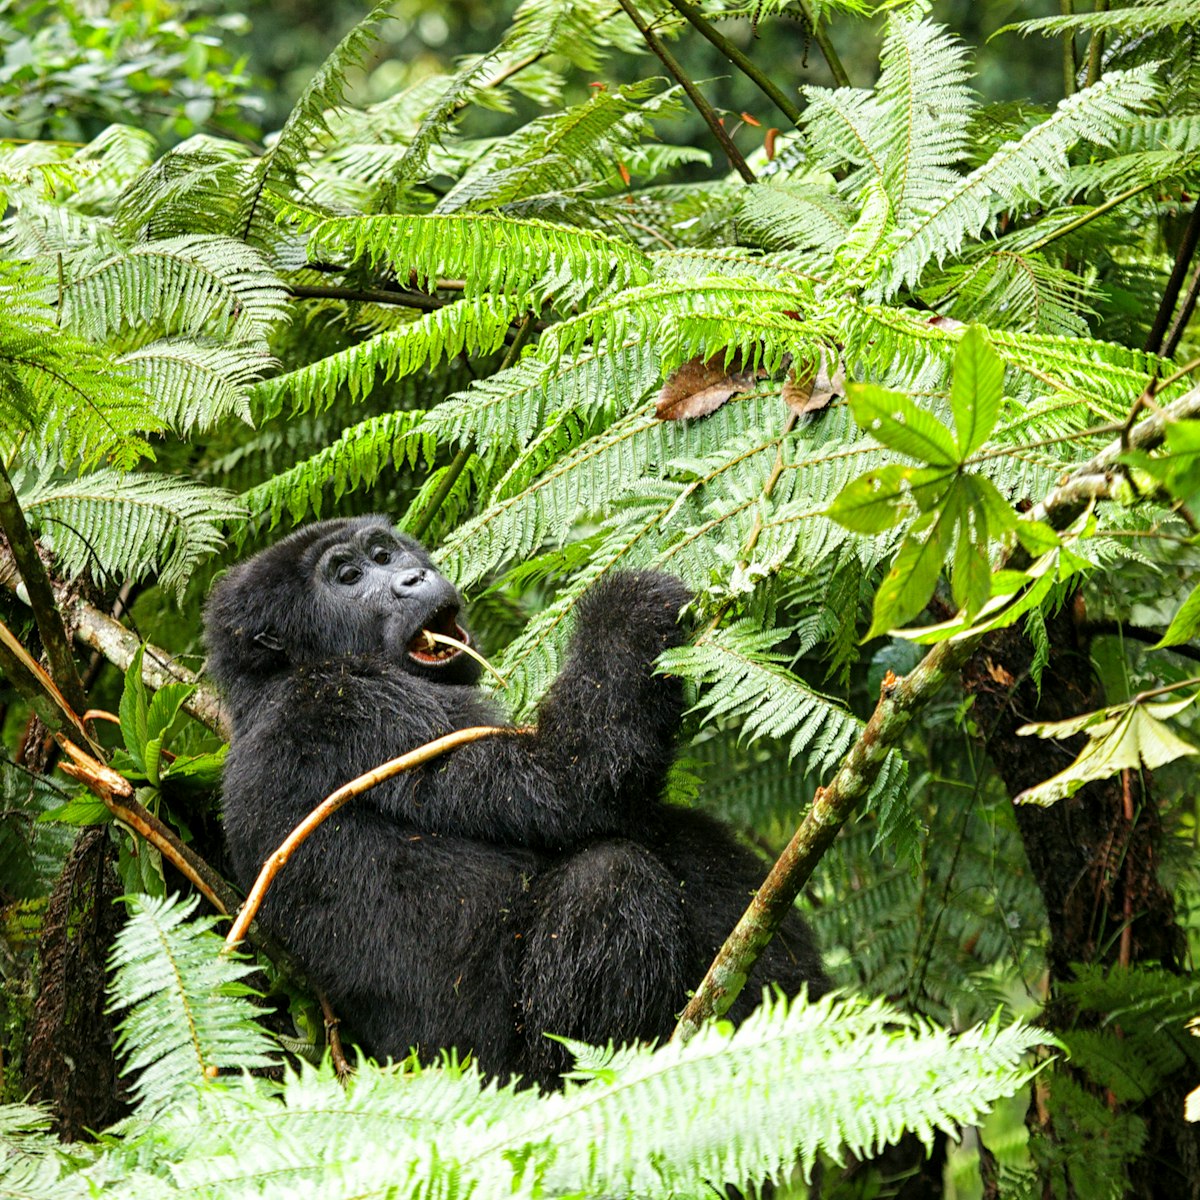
{"type": "Point", "coordinates": [906, 588]}
{"type": "Point", "coordinates": [133, 708]}
{"type": "Point", "coordinates": [1121, 737]}
{"type": "Point", "coordinates": [893, 419]}
{"type": "Point", "coordinates": [976, 390]}
{"type": "Point", "coordinates": [883, 497]}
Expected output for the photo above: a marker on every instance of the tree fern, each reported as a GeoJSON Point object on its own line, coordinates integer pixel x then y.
{"type": "Point", "coordinates": [1020, 173]}
{"type": "Point", "coordinates": [523, 259]}
{"type": "Point", "coordinates": [184, 285]}
{"type": "Point", "coordinates": [121, 526]}
{"type": "Point", "coordinates": [278, 167]}
{"type": "Point", "coordinates": [189, 1015]}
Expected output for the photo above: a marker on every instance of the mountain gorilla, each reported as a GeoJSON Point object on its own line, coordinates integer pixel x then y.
{"type": "Point", "coordinates": [525, 884]}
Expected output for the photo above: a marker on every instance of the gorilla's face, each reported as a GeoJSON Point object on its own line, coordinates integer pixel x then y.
{"type": "Point", "coordinates": [387, 596]}
{"type": "Point", "coordinates": [343, 588]}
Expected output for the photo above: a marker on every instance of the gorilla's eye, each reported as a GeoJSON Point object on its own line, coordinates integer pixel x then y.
{"type": "Point", "coordinates": [381, 556]}
{"type": "Point", "coordinates": [348, 573]}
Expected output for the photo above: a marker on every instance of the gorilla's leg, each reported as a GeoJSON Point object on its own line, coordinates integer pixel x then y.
{"type": "Point", "coordinates": [606, 954]}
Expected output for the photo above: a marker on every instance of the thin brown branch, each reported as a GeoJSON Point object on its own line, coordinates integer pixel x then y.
{"type": "Point", "coordinates": [1170, 297]}
{"type": "Point", "coordinates": [368, 296]}
{"type": "Point", "coordinates": [703, 107]}
{"type": "Point", "coordinates": [334, 801]}
{"type": "Point", "coordinates": [31, 679]}
{"type": "Point", "coordinates": [1183, 316]}
{"type": "Point", "coordinates": [899, 701]}
{"type": "Point", "coordinates": [117, 794]}
{"type": "Point", "coordinates": [40, 595]}
{"type": "Point", "coordinates": [746, 65]}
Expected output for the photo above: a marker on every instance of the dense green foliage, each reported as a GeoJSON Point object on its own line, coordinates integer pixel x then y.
{"type": "Point", "coordinates": [880, 343]}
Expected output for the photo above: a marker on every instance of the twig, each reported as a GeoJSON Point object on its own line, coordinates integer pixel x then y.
{"type": "Point", "coordinates": [333, 1038]}
{"type": "Point", "coordinates": [747, 66]}
{"type": "Point", "coordinates": [368, 296]}
{"type": "Point", "coordinates": [41, 595]}
{"type": "Point", "coordinates": [899, 701]}
{"type": "Point", "coordinates": [1183, 260]}
{"type": "Point", "coordinates": [1183, 316]}
{"type": "Point", "coordinates": [821, 37]}
{"type": "Point", "coordinates": [117, 794]}
{"type": "Point", "coordinates": [30, 678]}
{"type": "Point", "coordinates": [363, 783]}
{"type": "Point", "coordinates": [703, 107]}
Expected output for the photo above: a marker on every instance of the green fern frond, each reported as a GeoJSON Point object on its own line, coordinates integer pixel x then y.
{"type": "Point", "coordinates": [872, 1063]}
{"type": "Point", "coordinates": [195, 385]}
{"type": "Point", "coordinates": [33, 1164]}
{"type": "Point", "coordinates": [506, 411]}
{"type": "Point", "coordinates": [117, 155]}
{"type": "Point", "coordinates": [186, 286]}
{"type": "Point", "coordinates": [1025, 172]}
{"type": "Point", "coordinates": [188, 1015]}
{"type": "Point", "coordinates": [476, 325]}
{"type": "Point", "coordinates": [563, 152]}
{"type": "Point", "coordinates": [350, 462]}
{"type": "Point", "coordinates": [522, 258]}
{"type": "Point", "coordinates": [925, 108]}
{"type": "Point", "coordinates": [749, 681]}
{"type": "Point", "coordinates": [802, 216]}
{"type": "Point", "coordinates": [70, 395]}
{"type": "Point", "coordinates": [1134, 20]}
{"type": "Point", "coordinates": [276, 170]}
{"type": "Point", "coordinates": [194, 188]}
{"type": "Point", "coordinates": [728, 313]}
{"type": "Point", "coordinates": [124, 526]}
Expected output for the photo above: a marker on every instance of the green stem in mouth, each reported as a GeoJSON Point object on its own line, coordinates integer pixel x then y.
{"type": "Point", "coordinates": [468, 650]}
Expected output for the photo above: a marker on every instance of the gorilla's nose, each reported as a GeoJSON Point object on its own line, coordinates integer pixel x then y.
{"type": "Point", "coordinates": [408, 581]}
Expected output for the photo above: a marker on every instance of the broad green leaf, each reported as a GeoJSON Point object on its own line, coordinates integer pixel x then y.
{"type": "Point", "coordinates": [976, 390]}
{"type": "Point", "coordinates": [1136, 737]}
{"type": "Point", "coordinates": [160, 716]}
{"type": "Point", "coordinates": [893, 419]}
{"type": "Point", "coordinates": [971, 578]}
{"type": "Point", "coordinates": [909, 584]}
{"type": "Point", "coordinates": [982, 497]}
{"type": "Point", "coordinates": [1184, 623]}
{"type": "Point", "coordinates": [133, 709]}
{"type": "Point", "coordinates": [878, 499]}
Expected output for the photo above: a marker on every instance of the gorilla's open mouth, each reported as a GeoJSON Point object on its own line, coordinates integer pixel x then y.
{"type": "Point", "coordinates": [426, 646]}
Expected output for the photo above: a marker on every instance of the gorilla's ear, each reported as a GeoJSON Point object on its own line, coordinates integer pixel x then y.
{"type": "Point", "coordinates": [268, 639]}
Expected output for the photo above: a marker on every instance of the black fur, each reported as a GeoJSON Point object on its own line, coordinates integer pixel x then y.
{"type": "Point", "coordinates": [521, 885]}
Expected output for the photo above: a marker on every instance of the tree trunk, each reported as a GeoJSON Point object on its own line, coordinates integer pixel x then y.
{"type": "Point", "coordinates": [1095, 858]}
